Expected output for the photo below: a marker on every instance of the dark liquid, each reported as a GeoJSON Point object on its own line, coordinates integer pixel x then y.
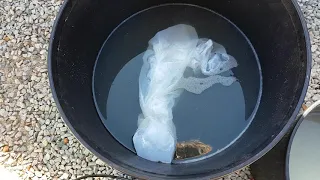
{"type": "Point", "coordinates": [217, 117]}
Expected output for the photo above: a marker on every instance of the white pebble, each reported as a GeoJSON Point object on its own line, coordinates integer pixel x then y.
{"type": "Point", "coordinates": [99, 162]}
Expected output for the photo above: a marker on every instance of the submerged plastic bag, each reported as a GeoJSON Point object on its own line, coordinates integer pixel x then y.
{"type": "Point", "coordinates": [162, 80]}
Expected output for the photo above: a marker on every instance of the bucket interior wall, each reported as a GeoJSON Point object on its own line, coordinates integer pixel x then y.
{"type": "Point", "coordinates": [272, 26]}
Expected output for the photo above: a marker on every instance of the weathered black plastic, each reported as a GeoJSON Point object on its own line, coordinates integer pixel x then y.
{"type": "Point", "coordinates": [273, 165]}
{"type": "Point", "coordinates": [275, 28]}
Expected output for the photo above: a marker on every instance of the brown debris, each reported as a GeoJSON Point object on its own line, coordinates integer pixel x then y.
{"type": "Point", "coordinates": [65, 140]}
{"type": "Point", "coordinates": [304, 107]}
{"type": "Point", "coordinates": [191, 149]}
{"type": "Point", "coordinates": [6, 38]}
{"type": "Point", "coordinates": [5, 149]}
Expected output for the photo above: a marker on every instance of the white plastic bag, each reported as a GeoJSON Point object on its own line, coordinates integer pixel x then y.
{"type": "Point", "coordinates": [162, 80]}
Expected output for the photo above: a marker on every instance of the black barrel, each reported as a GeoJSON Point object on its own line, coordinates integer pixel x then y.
{"type": "Point", "coordinates": [276, 30]}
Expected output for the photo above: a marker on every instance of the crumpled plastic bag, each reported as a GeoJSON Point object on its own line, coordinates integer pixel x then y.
{"type": "Point", "coordinates": [162, 80]}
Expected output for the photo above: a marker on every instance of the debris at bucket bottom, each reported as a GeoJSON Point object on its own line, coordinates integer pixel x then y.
{"type": "Point", "coordinates": [162, 79]}
{"type": "Point", "coordinates": [191, 149]}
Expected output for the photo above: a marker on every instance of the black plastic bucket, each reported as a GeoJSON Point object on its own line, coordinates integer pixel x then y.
{"type": "Point", "coordinates": [274, 27]}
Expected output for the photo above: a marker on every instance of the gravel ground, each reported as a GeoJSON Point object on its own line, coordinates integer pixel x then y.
{"type": "Point", "coordinates": [34, 141]}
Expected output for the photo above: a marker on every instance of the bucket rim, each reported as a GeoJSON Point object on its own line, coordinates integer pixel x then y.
{"type": "Point", "coordinates": [293, 134]}
{"type": "Point", "coordinates": [146, 175]}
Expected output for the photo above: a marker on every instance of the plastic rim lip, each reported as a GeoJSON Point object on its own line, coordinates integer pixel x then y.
{"type": "Point", "coordinates": [301, 119]}
{"type": "Point", "coordinates": [145, 175]}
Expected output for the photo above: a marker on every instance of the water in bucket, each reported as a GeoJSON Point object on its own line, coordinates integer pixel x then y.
{"type": "Point", "coordinates": [206, 124]}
